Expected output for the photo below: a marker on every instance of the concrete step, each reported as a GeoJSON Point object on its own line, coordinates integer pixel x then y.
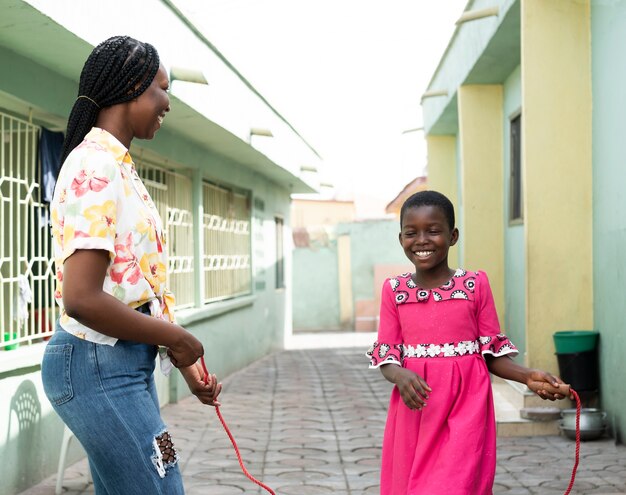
{"type": "Point", "coordinates": [509, 401]}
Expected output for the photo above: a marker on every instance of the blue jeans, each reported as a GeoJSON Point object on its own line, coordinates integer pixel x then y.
{"type": "Point", "coordinates": [107, 397]}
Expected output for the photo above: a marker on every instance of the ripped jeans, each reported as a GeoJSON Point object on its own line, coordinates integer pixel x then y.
{"type": "Point", "coordinates": [107, 397]}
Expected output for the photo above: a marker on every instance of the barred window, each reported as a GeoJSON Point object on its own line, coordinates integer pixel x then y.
{"type": "Point", "coordinates": [227, 243]}
{"type": "Point", "coordinates": [516, 190]}
{"type": "Point", "coordinates": [280, 255]}
{"type": "Point", "coordinates": [27, 282]}
{"type": "Point", "coordinates": [172, 194]}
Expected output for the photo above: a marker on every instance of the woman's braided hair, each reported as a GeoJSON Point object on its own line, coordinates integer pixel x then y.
{"type": "Point", "coordinates": [118, 70]}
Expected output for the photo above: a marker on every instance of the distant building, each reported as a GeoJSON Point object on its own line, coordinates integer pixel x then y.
{"type": "Point", "coordinates": [416, 185]}
{"type": "Point", "coordinates": [316, 212]}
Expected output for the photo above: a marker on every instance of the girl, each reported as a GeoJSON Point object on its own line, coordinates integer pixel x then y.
{"type": "Point", "coordinates": [110, 255]}
{"type": "Point", "coordinates": [438, 340]}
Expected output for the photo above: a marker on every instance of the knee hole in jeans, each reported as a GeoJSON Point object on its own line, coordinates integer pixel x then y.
{"type": "Point", "coordinates": [165, 456]}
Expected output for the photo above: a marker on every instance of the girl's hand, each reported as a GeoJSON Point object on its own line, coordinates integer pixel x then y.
{"type": "Point", "coordinates": [186, 350]}
{"type": "Point", "coordinates": [206, 393]}
{"type": "Point", "coordinates": [547, 386]}
{"type": "Point", "coordinates": [413, 389]}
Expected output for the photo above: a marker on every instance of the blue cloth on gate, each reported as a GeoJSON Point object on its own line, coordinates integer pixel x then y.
{"type": "Point", "coordinates": [50, 147]}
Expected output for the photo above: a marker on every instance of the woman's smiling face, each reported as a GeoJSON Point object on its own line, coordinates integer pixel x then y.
{"type": "Point", "coordinates": [149, 109]}
{"type": "Point", "coordinates": [426, 237]}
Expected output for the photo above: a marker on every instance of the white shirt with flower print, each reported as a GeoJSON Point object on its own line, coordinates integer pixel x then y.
{"type": "Point", "coordinates": [101, 203]}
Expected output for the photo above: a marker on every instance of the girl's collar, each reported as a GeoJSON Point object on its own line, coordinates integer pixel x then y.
{"type": "Point", "coordinates": [459, 272]}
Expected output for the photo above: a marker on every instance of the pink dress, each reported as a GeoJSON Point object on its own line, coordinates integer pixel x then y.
{"type": "Point", "coordinates": [448, 448]}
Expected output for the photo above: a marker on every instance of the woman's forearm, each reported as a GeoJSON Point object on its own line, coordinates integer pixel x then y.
{"type": "Point", "coordinates": [107, 315]}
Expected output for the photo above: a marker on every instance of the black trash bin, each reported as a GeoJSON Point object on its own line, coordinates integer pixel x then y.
{"type": "Point", "coordinates": [580, 370]}
{"type": "Point", "coordinates": [577, 355]}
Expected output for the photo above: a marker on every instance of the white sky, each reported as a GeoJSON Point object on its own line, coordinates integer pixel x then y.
{"type": "Point", "coordinates": [347, 74]}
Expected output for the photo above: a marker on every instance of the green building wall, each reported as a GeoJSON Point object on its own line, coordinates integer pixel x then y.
{"type": "Point", "coordinates": [608, 36]}
{"type": "Point", "coordinates": [514, 321]}
{"type": "Point", "coordinates": [316, 272]}
{"type": "Point", "coordinates": [316, 288]}
{"type": "Point", "coordinates": [373, 242]}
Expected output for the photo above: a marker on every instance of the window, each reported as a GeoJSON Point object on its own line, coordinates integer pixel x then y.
{"type": "Point", "coordinates": [27, 280]}
{"type": "Point", "coordinates": [280, 257]}
{"type": "Point", "coordinates": [515, 190]}
{"type": "Point", "coordinates": [227, 243]}
{"type": "Point", "coordinates": [172, 194]}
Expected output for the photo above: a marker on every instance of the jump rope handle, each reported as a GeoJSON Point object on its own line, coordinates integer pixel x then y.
{"type": "Point", "coordinates": [230, 436]}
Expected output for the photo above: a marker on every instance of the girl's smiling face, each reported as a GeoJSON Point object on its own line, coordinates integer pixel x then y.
{"type": "Point", "coordinates": [426, 237]}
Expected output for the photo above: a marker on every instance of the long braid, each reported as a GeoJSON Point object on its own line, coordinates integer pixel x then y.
{"type": "Point", "coordinates": [118, 70]}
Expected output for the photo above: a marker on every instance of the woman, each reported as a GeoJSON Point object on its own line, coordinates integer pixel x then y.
{"type": "Point", "coordinates": [110, 255]}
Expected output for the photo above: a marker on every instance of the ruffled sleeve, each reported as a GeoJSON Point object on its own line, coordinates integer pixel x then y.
{"type": "Point", "coordinates": [492, 340]}
{"type": "Point", "coordinates": [498, 345]}
{"type": "Point", "coordinates": [388, 347]}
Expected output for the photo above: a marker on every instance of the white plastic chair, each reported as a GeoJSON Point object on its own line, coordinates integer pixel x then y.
{"type": "Point", "coordinates": [65, 444]}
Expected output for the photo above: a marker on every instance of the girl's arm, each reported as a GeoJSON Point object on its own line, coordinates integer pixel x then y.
{"type": "Point", "coordinates": [412, 387]}
{"type": "Point", "coordinates": [84, 300]}
{"type": "Point", "coordinates": [540, 382]}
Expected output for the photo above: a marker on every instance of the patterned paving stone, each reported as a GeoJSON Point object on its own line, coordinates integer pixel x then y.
{"type": "Point", "coordinates": [312, 431]}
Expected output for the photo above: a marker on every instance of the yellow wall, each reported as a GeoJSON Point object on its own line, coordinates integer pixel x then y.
{"type": "Point", "coordinates": [442, 176]}
{"type": "Point", "coordinates": [556, 162]}
{"type": "Point", "coordinates": [312, 213]}
{"type": "Point", "coordinates": [482, 227]}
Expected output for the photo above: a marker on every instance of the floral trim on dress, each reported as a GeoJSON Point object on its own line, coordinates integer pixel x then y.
{"type": "Point", "coordinates": [381, 353]}
{"type": "Point", "coordinates": [497, 345]}
{"type": "Point", "coordinates": [407, 291]}
{"type": "Point", "coordinates": [449, 349]}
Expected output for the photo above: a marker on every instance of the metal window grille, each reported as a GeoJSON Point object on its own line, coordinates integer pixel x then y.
{"type": "Point", "coordinates": [227, 243]}
{"type": "Point", "coordinates": [171, 192]}
{"type": "Point", "coordinates": [27, 282]}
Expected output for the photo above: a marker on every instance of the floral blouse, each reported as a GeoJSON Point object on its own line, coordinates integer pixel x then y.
{"type": "Point", "coordinates": [101, 203]}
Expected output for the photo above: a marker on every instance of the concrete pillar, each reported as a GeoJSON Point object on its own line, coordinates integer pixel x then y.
{"type": "Point", "coordinates": [557, 171]}
{"type": "Point", "coordinates": [442, 176]}
{"type": "Point", "coordinates": [482, 183]}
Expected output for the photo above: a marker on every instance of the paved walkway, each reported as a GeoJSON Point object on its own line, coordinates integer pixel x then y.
{"type": "Point", "coordinates": [311, 421]}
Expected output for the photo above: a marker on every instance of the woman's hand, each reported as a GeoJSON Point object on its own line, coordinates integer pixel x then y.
{"type": "Point", "coordinates": [412, 387]}
{"type": "Point", "coordinates": [206, 393]}
{"type": "Point", "coordinates": [546, 385]}
{"type": "Point", "coordinates": [186, 350]}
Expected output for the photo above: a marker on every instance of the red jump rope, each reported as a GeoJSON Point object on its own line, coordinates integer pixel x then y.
{"type": "Point", "coordinates": [567, 390]}
{"type": "Point", "coordinates": [232, 439]}
{"type": "Point", "coordinates": [578, 407]}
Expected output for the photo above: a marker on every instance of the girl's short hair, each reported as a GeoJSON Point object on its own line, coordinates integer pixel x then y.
{"type": "Point", "coordinates": [118, 70]}
{"type": "Point", "coordinates": [429, 198]}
